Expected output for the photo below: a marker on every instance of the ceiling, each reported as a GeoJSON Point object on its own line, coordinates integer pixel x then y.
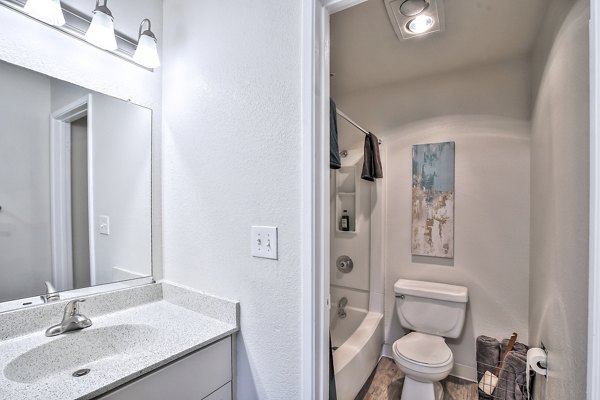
{"type": "Point", "coordinates": [366, 53]}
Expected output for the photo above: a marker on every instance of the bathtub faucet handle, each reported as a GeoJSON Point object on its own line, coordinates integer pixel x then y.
{"type": "Point", "coordinates": [343, 302]}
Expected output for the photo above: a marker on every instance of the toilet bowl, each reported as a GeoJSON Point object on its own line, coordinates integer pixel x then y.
{"type": "Point", "coordinates": [432, 311]}
{"type": "Point", "coordinates": [425, 360]}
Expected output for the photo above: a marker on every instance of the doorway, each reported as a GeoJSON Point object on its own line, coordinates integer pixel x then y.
{"type": "Point", "coordinates": [320, 81]}
{"type": "Point", "coordinates": [79, 204]}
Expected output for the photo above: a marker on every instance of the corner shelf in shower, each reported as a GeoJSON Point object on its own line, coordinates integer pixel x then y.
{"type": "Point", "coordinates": [346, 198]}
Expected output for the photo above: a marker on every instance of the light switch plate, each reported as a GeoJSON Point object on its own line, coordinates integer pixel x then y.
{"type": "Point", "coordinates": [264, 242]}
{"type": "Point", "coordinates": [104, 223]}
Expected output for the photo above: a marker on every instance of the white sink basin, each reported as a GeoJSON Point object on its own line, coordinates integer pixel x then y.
{"type": "Point", "coordinates": [87, 348]}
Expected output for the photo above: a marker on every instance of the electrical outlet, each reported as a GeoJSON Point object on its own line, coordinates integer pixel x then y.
{"type": "Point", "coordinates": [264, 242]}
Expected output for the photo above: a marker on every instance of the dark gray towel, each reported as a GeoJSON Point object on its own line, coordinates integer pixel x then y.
{"type": "Point", "coordinates": [512, 379]}
{"type": "Point", "coordinates": [372, 163]}
{"type": "Point", "coordinates": [334, 148]}
{"type": "Point", "coordinates": [332, 389]}
{"type": "Point", "coordinates": [517, 347]}
{"type": "Point", "coordinates": [488, 355]}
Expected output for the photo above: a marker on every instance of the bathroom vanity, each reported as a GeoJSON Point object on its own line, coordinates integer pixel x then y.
{"type": "Point", "coordinates": [148, 342]}
{"type": "Point", "coordinates": [76, 251]}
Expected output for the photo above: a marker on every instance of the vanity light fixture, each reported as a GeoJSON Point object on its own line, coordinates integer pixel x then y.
{"type": "Point", "coordinates": [97, 30]}
{"type": "Point", "coordinates": [48, 11]}
{"type": "Point", "coordinates": [146, 53]}
{"type": "Point", "coordinates": [101, 32]}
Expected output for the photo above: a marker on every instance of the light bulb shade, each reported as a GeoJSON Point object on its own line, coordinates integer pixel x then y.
{"type": "Point", "coordinates": [101, 32]}
{"type": "Point", "coordinates": [48, 11]}
{"type": "Point", "coordinates": [146, 53]}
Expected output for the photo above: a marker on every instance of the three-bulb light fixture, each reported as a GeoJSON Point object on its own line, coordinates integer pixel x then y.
{"type": "Point", "coordinates": [101, 32]}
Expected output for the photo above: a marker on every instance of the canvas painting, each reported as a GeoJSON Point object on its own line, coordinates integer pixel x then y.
{"type": "Point", "coordinates": [433, 200]}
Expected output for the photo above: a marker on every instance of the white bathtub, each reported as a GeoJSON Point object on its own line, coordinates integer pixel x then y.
{"type": "Point", "coordinates": [358, 338]}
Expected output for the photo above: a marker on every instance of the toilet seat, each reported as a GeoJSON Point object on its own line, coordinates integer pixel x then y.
{"type": "Point", "coordinates": [425, 357]}
{"type": "Point", "coordinates": [423, 349]}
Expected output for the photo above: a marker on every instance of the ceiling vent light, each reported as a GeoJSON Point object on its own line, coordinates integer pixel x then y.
{"type": "Point", "coordinates": [48, 11]}
{"type": "Point", "coordinates": [421, 24]}
{"type": "Point", "coordinates": [415, 18]}
{"type": "Point", "coordinates": [412, 8]}
{"type": "Point", "coordinates": [146, 53]}
{"type": "Point", "coordinates": [101, 32]}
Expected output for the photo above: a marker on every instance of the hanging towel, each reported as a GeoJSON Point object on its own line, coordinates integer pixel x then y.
{"type": "Point", "coordinates": [372, 165]}
{"type": "Point", "coordinates": [332, 388]}
{"type": "Point", "coordinates": [334, 148]}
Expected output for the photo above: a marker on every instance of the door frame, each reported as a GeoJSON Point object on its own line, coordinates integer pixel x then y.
{"type": "Point", "coordinates": [593, 362]}
{"type": "Point", "coordinates": [60, 191]}
{"type": "Point", "coordinates": [315, 189]}
{"type": "Point", "coordinates": [315, 298]}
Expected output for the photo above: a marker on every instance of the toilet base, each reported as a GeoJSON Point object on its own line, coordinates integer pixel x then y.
{"type": "Point", "coordinates": [415, 390]}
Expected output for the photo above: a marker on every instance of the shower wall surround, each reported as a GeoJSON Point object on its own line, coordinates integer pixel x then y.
{"type": "Point", "coordinates": [492, 195]}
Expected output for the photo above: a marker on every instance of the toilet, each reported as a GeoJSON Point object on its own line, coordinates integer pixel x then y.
{"type": "Point", "coordinates": [432, 312]}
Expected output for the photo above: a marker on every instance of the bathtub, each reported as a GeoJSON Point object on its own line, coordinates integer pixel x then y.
{"type": "Point", "coordinates": [357, 340]}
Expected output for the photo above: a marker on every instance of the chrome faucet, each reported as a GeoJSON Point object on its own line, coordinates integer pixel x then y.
{"type": "Point", "coordinates": [51, 293]}
{"type": "Point", "coordinates": [71, 321]}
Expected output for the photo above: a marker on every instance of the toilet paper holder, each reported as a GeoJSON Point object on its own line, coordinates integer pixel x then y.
{"type": "Point", "coordinates": [537, 360]}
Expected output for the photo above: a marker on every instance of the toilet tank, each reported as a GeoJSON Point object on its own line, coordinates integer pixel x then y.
{"type": "Point", "coordinates": [429, 307]}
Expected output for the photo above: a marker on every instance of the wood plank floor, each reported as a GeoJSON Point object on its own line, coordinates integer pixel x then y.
{"type": "Point", "coordinates": [385, 383]}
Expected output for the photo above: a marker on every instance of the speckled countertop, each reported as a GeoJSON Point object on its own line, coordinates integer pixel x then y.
{"type": "Point", "coordinates": [134, 331]}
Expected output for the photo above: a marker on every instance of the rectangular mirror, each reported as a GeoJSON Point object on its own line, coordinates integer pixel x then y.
{"type": "Point", "coordinates": [75, 186]}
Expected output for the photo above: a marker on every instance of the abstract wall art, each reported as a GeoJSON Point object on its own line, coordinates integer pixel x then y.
{"type": "Point", "coordinates": [433, 200]}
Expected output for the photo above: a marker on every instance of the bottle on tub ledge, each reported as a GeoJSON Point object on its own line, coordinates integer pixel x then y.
{"type": "Point", "coordinates": [345, 222]}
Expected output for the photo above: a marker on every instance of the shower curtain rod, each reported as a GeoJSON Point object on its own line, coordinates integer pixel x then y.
{"type": "Point", "coordinates": [347, 118]}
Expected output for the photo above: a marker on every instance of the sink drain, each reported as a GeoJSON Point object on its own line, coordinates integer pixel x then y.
{"type": "Point", "coordinates": [81, 372]}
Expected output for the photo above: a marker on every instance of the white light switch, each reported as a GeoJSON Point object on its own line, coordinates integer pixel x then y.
{"type": "Point", "coordinates": [264, 242]}
{"type": "Point", "coordinates": [104, 225]}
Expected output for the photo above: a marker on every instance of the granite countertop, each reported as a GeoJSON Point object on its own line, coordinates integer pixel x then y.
{"type": "Point", "coordinates": [156, 324]}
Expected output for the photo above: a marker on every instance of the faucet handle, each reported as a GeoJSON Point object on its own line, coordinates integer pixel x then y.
{"type": "Point", "coordinates": [72, 307]}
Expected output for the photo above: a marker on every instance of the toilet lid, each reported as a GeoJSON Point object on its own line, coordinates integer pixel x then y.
{"type": "Point", "coordinates": [423, 349]}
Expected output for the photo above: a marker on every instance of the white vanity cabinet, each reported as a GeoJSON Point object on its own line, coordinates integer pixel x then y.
{"type": "Point", "coordinates": [203, 375]}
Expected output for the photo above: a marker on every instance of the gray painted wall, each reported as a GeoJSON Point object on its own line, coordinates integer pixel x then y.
{"type": "Point", "coordinates": [559, 199]}
{"type": "Point", "coordinates": [25, 252]}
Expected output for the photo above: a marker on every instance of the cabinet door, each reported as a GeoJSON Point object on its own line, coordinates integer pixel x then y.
{"type": "Point", "coordinates": [223, 393]}
{"type": "Point", "coordinates": [191, 378]}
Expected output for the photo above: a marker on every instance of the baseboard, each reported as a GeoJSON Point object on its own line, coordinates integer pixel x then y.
{"type": "Point", "coordinates": [386, 351]}
{"type": "Point", "coordinates": [465, 372]}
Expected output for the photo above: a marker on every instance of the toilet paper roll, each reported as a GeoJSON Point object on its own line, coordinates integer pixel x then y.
{"type": "Point", "coordinates": [537, 361]}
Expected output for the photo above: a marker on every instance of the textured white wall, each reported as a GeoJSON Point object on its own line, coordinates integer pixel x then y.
{"type": "Point", "coordinates": [485, 111]}
{"type": "Point", "coordinates": [28, 43]}
{"type": "Point", "coordinates": [559, 200]}
{"type": "Point", "coordinates": [232, 123]}
{"type": "Point", "coordinates": [25, 253]}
